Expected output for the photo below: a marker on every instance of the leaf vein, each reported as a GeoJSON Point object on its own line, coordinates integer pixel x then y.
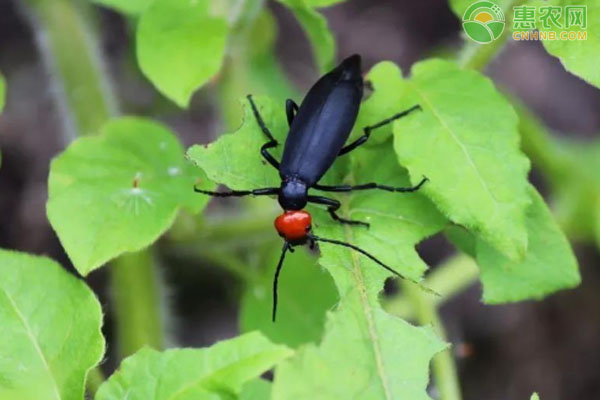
{"type": "Point", "coordinates": [34, 342]}
{"type": "Point", "coordinates": [455, 139]}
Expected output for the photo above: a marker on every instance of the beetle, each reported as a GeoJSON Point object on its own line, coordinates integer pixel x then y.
{"type": "Point", "coordinates": [318, 131]}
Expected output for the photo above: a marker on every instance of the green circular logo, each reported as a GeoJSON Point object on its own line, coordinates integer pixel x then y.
{"type": "Point", "coordinates": [483, 21]}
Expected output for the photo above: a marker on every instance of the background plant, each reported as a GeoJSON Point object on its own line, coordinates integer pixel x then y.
{"type": "Point", "coordinates": [124, 182]}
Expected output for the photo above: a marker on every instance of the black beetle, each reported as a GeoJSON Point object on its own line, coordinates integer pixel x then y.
{"type": "Point", "coordinates": [318, 131]}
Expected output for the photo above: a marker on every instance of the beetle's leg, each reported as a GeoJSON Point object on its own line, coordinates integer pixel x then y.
{"type": "Point", "coordinates": [332, 207]}
{"type": "Point", "coordinates": [268, 156]}
{"type": "Point", "coordinates": [239, 193]}
{"type": "Point", "coordinates": [264, 150]}
{"type": "Point", "coordinates": [291, 108]}
{"type": "Point", "coordinates": [367, 129]}
{"type": "Point", "coordinates": [367, 186]}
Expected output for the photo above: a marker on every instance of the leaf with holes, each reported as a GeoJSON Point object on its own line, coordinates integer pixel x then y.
{"type": "Point", "coordinates": [391, 347]}
{"type": "Point", "coordinates": [180, 46]}
{"type": "Point", "coordinates": [371, 354]}
{"type": "Point", "coordinates": [216, 372]}
{"type": "Point", "coordinates": [398, 222]}
{"type": "Point", "coordinates": [118, 192]}
{"type": "Point", "coordinates": [50, 327]}
{"type": "Point", "coordinates": [466, 142]}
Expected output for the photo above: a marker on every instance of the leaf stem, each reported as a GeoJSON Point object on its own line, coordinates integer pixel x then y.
{"type": "Point", "coordinates": [70, 48]}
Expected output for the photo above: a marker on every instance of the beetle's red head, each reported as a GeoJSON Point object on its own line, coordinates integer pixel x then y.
{"type": "Point", "coordinates": [294, 226]}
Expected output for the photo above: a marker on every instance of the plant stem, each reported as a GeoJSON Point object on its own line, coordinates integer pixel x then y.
{"type": "Point", "coordinates": [444, 369]}
{"type": "Point", "coordinates": [70, 48]}
{"type": "Point", "coordinates": [135, 286]}
{"type": "Point", "coordinates": [539, 145]}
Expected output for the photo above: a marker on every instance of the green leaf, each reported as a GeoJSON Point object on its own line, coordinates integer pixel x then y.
{"type": "Point", "coordinates": [548, 266]}
{"type": "Point", "coordinates": [535, 396]}
{"type": "Point", "coordinates": [131, 7]}
{"type": "Point", "coordinates": [580, 57]}
{"type": "Point", "coordinates": [315, 26]}
{"type": "Point", "coordinates": [398, 223]}
{"type": "Point", "coordinates": [365, 347]}
{"type": "Point", "coordinates": [118, 192]}
{"type": "Point", "coordinates": [50, 328]}
{"type": "Point", "coordinates": [372, 356]}
{"type": "Point", "coordinates": [217, 372]}
{"type": "Point", "coordinates": [180, 46]}
{"type": "Point", "coordinates": [234, 159]}
{"type": "Point", "coordinates": [467, 143]}
{"type": "Point", "coordinates": [300, 318]}
{"type": "Point", "coordinates": [464, 240]}
{"type": "Point", "coordinates": [386, 100]}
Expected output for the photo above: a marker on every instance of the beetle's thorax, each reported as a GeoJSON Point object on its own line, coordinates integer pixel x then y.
{"type": "Point", "coordinates": [293, 194]}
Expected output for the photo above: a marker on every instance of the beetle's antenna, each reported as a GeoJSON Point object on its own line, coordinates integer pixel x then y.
{"type": "Point", "coordinates": [286, 247]}
{"type": "Point", "coordinates": [393, 271]}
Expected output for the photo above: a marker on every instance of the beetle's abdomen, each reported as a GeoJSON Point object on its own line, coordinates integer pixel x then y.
{"type": "Point", "coordinates": [323, 123]}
